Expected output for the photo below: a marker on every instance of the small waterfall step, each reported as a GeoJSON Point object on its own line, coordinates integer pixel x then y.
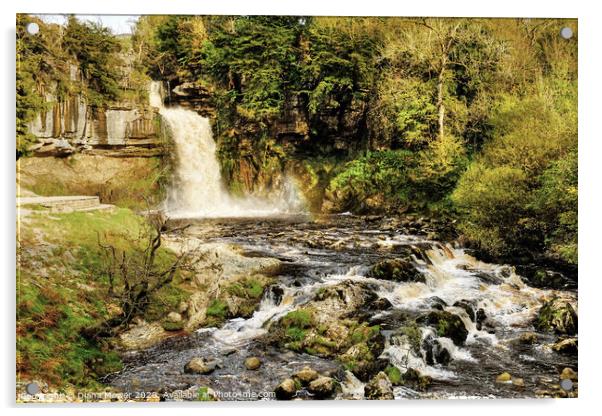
{"type": "Point", "coordinates": [64, 203]}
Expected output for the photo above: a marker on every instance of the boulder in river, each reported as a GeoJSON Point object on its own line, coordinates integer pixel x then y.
{"type": "Point", "coordinates": [199, 365]}
{"type": "Point", "coordinates": [398, 270]}
{"type": "Point", "coordinates": [379, 388]}
{"type": "Point", "coordinates": [505, 377]}
{"type": "Point", "coordinates": [413, 379]}
{"type": "Point", "coordinates": [568, 374]}
{"type": "Point", "coordinates": [306, 375]}
{"type": "Point", "coordinates": [558, 316]}
{"type": "Point", "coordinates": [286, 390]}
{"type": "Point", "coordinates": [435, 352]}
{"type": "Point", "coordinates": [322, 387]}
{"type": "Point", "coordinates": [566, 346]}
{"type": "Point", "coordinates": [447, 325]}
{"type": "Point", "coordinates": [252, 363]}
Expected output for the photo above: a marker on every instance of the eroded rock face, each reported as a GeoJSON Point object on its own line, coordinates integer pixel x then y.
{"type": "Point", "coordinates": [557, 315]}
{"type": "Point", "coordinates": [72, 125]}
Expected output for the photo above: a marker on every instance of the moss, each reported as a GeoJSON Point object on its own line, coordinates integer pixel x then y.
{"type": "Point", "coordinates": [394, 375]}
{"type": "Point", "coordinates": [414, 335]}
{"type": "Point", "coordinates": [172, 326]}
{"type": "Point", "coordinates": [218, 309]}
{"type": "Point", "coordinates": [301, 318]}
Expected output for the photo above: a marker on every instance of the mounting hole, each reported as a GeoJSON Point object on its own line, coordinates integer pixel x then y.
{"type": "Point", "coordinates": [33, 28]}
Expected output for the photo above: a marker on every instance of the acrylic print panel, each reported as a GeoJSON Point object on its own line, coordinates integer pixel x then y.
{"type": "Point", "coordinates": [219, 208]}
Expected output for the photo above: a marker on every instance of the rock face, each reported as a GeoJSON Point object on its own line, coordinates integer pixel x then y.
{"type": "Point", "coordinates": [558, 316]}
{"type": "Point", "coordinates": [72, 124]}
{"type": "Point", "coordinates": [567, 346]}
{"type": "Point", "coordinates": [379, 388]}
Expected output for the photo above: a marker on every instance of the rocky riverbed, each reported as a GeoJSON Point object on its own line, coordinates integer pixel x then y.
{"type": "Point", "coordinates": [361, 308]}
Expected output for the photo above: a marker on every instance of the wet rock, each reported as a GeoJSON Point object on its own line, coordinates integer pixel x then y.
{"type": "Point", "coordinates": [558, 316]}
{"type": "Point", "coordinates": [436, 302]}
{"type": "Point", "coordinates": [413, 379]}
{"type": "Point", "coordinates": [568, 374]}
{"type": "Point", "coordinates": [252, 363]}
{"type": "Point", "coordinates": [503, 378]}
{"type": "Point", "coordinates": [277, 293]}
{"type": "Point", "coordinates": [447, 325]}
{"type": "Point", "coordinates": [199, 365]}
{"type": "Point", "coordinates": [322, 387]}
{"type": "Point", "coordinates": [397, 270]}
{"type": "Point", "coordinates": [379, 388]}
{"type": "Point", "coordinates": [286, 390]}
{"type": "Point", "coordinates": [468, 307]}
{"type": "Point", "coordinates": [518, 382]}
{"type": "Point", "coordinates": [306, 375]}
{"type": "Point", "coordinates": [528, 338]}
{"type": "Point", "coordinates": [381, 304]}
{"type": "Point", "coordinates": [566, 346]}
{"type": "Point", "coordinates": [481, 317]}
{"type": "Point", "coordinates": [435, 353]}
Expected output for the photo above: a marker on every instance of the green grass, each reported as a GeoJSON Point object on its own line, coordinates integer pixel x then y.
{"type": "Point", "coordinates": [62, 289]}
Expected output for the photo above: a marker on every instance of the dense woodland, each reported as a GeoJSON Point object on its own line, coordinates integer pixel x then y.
{"type": "Point", "coordinates": [473, 120]}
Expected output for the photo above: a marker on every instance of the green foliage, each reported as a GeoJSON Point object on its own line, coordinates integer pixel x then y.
{"type": "Point", "coordinates": [96, 52]}
{"type": "Point", "coordinates": [217, 309]}
{"type": "Point", "coordinates": [44, 65]}
{"type": "Point", "coordinates": [519, 196]}
{"type": "Point", "coordinates": [394, 375]}
{"type": "Point", "coordinates": [381, 175]}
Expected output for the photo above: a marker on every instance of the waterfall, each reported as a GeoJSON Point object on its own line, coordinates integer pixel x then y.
{"type": "Point", "coordinates": [197, 189]}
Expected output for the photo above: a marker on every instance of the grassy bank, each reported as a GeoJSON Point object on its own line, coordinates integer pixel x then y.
{"type": "Point", "coordinates": [62, 288]}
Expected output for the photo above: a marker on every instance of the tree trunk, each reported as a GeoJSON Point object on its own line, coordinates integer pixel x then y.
{"type": "Point", "coordinates": [440, 105]}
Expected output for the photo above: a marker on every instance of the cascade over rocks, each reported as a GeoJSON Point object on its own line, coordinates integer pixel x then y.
{"type": "Point", "coordinates": [447, 325]}
{"type": "Point", "coordinates": [398, 270]}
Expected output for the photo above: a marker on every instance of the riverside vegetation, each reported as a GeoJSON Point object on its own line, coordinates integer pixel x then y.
{"type": "Point", "coordinates": [460, 131]}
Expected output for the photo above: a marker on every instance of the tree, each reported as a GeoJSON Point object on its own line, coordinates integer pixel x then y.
{"type": "Point", "coordinates": [136, 272]}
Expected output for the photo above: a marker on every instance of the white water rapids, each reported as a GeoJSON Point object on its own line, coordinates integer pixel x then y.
{"type": "Point", "coordinates": [197, 189]}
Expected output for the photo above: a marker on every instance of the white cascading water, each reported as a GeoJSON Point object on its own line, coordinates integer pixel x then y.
{"type": "Point", "coordinates": [197, 189]}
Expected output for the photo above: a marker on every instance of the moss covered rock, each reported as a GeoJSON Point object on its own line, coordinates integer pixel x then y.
{"type": "Point", "coordinates": [379, 388]}
{"type": "Point", "coordinates": [557, 316]}
{"type": "Point", "coordinates": [398, 270]}
{"type": "Point", "coordinates": [447, 325]}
